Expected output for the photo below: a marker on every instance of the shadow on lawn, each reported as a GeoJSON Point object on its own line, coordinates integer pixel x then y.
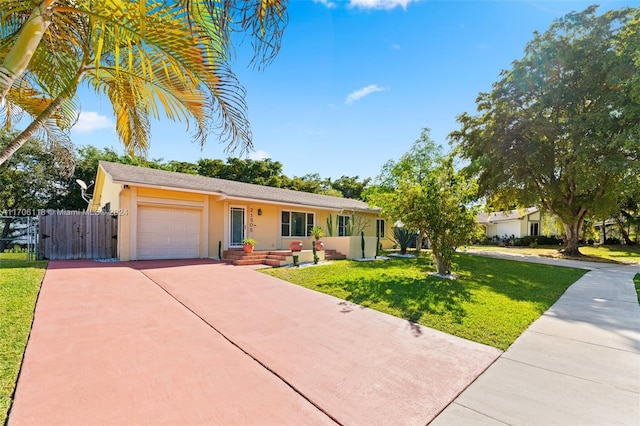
{"type": "Point", "coordinates": [409, 297]}
{"type": "Point", "coordinates": [521, 281]}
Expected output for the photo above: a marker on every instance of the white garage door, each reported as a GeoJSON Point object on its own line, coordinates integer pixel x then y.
{"type": "Point", "coordinates": [168, 233]}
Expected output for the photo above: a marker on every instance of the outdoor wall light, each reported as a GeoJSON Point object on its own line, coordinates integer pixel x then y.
{"type": "Point", "coordinates": [259, 212]}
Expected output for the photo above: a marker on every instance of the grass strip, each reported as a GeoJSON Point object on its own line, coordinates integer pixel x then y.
{"type": "Point", "coordinates": [19, 285]}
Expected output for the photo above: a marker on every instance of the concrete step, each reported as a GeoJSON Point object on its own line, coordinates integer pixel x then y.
{"type": "Point", "coordinates": [334, 255]}
{"type": "Point", "coordinates": [246, 262]}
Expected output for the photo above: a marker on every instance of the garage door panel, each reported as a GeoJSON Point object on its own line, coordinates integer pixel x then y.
{"type": "Point", "coordinates": [168, 233]}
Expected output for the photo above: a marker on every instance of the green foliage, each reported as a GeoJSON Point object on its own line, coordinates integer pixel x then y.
{"type": "Point", "coordinates": [636, 281]}
{"type": "Point", "coordinates": [33, 178]}
{"type": "Point", "coordinates": [330, 225]}
{"type": "Point", "coordinates": [530, 240]}
{"type": "Point", "coordinates": [492, 302]}
{"type": "Point", "coordinates": [350, 187]}
{"type": "Point", "coordinates": [173, 57]}
{"type": "Point", "coordinates": [403, 237]}
{"type": "Point", "coordinates": [19, 286]}
{"type": "Point", "coordinates": [561, 128]}
{"type": "Point", "coordinates": [317, 232]}
{"type": "Point", "coordinates": [426, 193]}
{"type": "Point", "coordinates": [249, 241]}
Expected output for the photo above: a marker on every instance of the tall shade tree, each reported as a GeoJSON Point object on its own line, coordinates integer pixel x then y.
{"type": "Point", "coordinates": [146, 56]}
{"type": "Point", "coordinates": [425, 192]}
{"type": "Point", "coordinates": [33, 179]}
{"type": "Point", "coordinates": [561, 129]}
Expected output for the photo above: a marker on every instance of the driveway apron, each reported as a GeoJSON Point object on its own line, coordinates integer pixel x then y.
{"type": "Point", "coordinates": [110, 347]}
{"type": "Point", "coordinates": [195, 342]}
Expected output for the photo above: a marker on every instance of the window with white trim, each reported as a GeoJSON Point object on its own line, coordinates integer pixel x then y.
{"type": "Point", "coordinates": [380, 228]}
{"type": "Point", "coordinates": [534, 229]}
{"type": "Point", "coordinates": [296, 224]}
{"type": "Point", "coordinates": [343, 226]}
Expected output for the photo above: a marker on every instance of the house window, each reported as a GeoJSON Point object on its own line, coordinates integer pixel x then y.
{"type": "Point", "coordinates": [380, 231]}
{"type": "Point", "coordinates": [296, 224]}
{"type": "Point", "coordinates": [344, 228]}
{"type": "Point", "coordinates": [534, 229]}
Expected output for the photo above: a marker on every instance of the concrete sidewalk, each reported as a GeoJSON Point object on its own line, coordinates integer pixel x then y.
{"type": "Point", "coordinates": [578, 364]}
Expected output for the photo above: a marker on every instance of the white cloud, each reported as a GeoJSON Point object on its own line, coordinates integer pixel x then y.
{"type": "Point", "coordinates": [361, 93]}
{"type": "Point", "coordinates": [330, 4]}
{"type": "Point", "coordinates": [258, 155]}
{"type": "Point", "coordinates": [90, 121]}
{"type": "Point", "coordinates": [380, 4]}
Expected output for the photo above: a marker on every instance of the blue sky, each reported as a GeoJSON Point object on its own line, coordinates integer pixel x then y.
{"type": "Point", "coordinates": [356, 81]}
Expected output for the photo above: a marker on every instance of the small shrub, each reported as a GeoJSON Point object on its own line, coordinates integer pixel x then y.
{"type": "Point", "coordinates": [549, 240]}
{"type": "Point", "coordinates": [403, 238]}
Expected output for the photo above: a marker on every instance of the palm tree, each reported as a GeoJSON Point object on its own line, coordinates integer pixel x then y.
{"type": "Point", "coordinates": [146, 57]}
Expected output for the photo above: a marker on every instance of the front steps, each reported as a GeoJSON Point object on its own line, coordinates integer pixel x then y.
{"type": "Point", "coordinates": [275, 258]}
{"type": "Point", "coordinates": [334, 255]}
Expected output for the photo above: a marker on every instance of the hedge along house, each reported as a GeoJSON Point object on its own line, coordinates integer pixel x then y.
{"type": "Point", "coordinates": [513, 223]}
{"type": "Point", "coordinates": [168, 215]}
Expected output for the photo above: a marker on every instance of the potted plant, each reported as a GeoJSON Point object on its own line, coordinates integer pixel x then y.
{"type": "Point", "coordinates": [317, 233]}
{"type": "Point", "coordinates": [248, 244]}
{"type": "Point", "coordinates": [295, 246]}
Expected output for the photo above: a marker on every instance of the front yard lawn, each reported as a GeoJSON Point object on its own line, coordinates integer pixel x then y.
{"type": "Point", "coordinates": [492, 302]}
{"type": "Point", "coordinates": [608, 254]}
{"type": "Point", "coordinates": [19, 285]}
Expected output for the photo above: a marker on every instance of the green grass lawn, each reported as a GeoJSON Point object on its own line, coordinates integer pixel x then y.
{"type": "Point", "coordinates": [613, 254]}
{"type": "Point", "coordinates": [19, 285]}
{"type": "Point", "coordinates": [492, 302]}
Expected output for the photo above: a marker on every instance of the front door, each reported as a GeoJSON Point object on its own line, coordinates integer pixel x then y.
{"type": "Point", "coordinates": [237, 226]}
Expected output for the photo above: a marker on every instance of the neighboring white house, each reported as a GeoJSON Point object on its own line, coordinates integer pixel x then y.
{"type": "Point", "coordinates": [513, 223]}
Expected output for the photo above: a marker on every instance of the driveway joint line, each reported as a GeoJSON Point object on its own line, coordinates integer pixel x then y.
{"type": "Point", "coordinates": [583, 341]}
{"type": "Point", "coordinates": [266, 367]}
{"type": "Point", "coordinates": [482, 414]}
{"type": "Point", "coordinates": [567, 375]}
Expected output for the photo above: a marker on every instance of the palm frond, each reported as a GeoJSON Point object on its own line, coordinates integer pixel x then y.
{"type": "Point", "coordinates": [166, 57]}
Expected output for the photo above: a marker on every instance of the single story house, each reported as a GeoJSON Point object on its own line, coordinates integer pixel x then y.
{"type": "Point", "coordinates": [517, 223]}
{"type": "Point", "coordinates": [168, 215]}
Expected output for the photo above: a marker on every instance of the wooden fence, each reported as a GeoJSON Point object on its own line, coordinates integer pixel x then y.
{"type": "Point", "coordinates": [77, 235]}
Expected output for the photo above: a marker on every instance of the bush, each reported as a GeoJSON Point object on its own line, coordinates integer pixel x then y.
{"type": "Point", "coordinates": [403, 238]}
{"type": "Point", "coordinates": [542, 240]}
{"type": "Point", "coordinates": [612, 241]}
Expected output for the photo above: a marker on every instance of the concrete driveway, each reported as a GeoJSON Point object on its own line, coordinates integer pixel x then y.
{"type": "Point", "coordinates": [200, 342]}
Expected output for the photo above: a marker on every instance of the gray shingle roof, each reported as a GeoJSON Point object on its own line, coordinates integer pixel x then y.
{"type": "Point", "coordinates": [132, 175]}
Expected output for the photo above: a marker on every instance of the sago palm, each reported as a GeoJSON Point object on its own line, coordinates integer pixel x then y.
{"type": "Point", "coordinates": [148, 57]}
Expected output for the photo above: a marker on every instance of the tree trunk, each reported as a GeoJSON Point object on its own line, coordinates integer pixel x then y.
{"type": "Point", "coordinates": [31, 33]}
{"type": "Point", "coordinates": [419, 243]}
{"type": "Point", "coordinates": [442, 267]}
{"type": "Point", "coordinates": [23, 137]}
{"type": "Point", "coordinates": [572, 235]}
{"type": "Point", "coordinates": [624, 232]}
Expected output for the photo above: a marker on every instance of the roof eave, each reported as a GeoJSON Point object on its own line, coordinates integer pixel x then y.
{"type": "Point", "coordinates": [229, 196]}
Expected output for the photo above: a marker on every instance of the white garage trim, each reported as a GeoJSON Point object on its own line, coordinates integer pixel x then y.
{"type": "Point", "coordinates": [168, 232]}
